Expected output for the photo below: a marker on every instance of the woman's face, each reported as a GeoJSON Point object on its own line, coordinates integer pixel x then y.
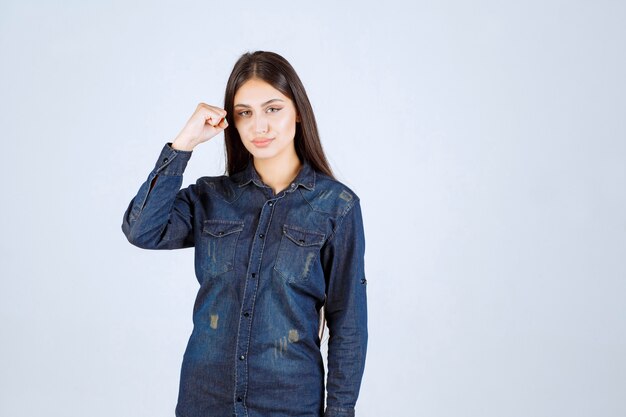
{"type": "Point", "coordinates": [265, 119]}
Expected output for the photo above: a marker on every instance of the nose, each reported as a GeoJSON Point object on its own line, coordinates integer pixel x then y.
{"type": "Point", "coordinates": [260, 123]}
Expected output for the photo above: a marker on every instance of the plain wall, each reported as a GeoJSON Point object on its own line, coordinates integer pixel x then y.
{"type": "Point", "coordinates": [486, 140]}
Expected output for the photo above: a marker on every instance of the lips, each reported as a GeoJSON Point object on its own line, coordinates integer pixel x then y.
{"type": "Point", "coordinates": [261, 140]}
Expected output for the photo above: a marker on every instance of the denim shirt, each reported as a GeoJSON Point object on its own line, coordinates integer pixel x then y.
{"type": "Point", "coordinates": [266, 263]}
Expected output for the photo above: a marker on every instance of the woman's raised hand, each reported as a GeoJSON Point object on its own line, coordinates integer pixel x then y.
{"type": "Point", "coordinates": [206, 122]}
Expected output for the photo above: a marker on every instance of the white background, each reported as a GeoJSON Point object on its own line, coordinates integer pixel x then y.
{"type": "Point", "coordinates": [487, 142]}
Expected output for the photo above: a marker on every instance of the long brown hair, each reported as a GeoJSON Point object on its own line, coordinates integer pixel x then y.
{"type": "Point", "coordinates": [278, 72]}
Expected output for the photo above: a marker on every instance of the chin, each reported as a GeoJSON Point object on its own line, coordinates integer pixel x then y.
{"type": "Point", "coordinates": [263, 155]}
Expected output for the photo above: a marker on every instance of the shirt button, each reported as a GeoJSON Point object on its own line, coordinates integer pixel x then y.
{"type": "Point", "coordinates": [165, 159]}
{"type": "Point", "coordinates": [242, 357]}
{"type": "Point", "coordinates": [238, 399]}
{"type": "Point", "coordinates": [246, 314]}
{"type": "Point", "coordinates": [271, 203]}
{"type": "Point", "coordinates": [253, 274]}
{"type": "Point", "coordinates": [261, 235]}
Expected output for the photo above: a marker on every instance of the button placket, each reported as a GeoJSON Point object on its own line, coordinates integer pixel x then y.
{"type": "Point", "coordinates": [250, 289]}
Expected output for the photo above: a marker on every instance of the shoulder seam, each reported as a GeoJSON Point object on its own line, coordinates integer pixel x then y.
{"type": "Point", "coordinates": [342, 217]}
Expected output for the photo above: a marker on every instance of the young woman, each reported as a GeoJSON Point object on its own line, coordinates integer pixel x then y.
{"type": "Point", "coordinates": [279, 243]}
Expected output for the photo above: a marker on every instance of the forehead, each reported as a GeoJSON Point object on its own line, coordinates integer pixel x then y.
{"type": "Point", "coordinates": [255, 92]}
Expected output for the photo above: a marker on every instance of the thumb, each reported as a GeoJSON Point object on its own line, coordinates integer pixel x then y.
{"type": "Point", "coordinates": [222, 123]}
{"type": "Point", "coordinates": [216, 121]}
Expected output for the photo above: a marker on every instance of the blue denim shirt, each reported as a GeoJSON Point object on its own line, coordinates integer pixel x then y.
{"type": "Point", "coordinates": [266, 264]}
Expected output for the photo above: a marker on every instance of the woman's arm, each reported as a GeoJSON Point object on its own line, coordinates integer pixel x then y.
{"type": "Point", "coordinates": [346, 312]}
{"type": "Point", "coordinates": [160, 215]}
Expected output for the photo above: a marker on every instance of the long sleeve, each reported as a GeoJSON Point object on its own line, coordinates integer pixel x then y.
{"type": "Point", "coordinates": [160, 215]}
{"type": "Point", "coordinates": [346, 312]}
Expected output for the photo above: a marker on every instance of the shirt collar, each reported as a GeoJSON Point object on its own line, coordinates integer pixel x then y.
{"type": "Point", "coordinates": [305, 177]}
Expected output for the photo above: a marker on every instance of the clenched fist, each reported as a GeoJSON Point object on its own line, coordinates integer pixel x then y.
{"type": "Point", "coordinates": [205, 122]}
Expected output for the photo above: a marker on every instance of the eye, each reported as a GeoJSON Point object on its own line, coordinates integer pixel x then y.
{"type": "Point", "coordinates": [277, 109]}
{"type": "Point", "coordinates": [242, 113]}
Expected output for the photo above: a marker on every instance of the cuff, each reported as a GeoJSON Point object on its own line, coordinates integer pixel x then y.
{"type": "Point", "coordinates": [172, 161]}
{"type": "Point", "coordinates": [339, 412]}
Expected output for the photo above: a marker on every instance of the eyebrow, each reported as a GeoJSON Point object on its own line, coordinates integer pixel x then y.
{"type": "Point", "coordinates": [264, 104]}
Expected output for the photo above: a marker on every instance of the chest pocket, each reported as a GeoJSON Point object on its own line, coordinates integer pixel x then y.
{"type": "Point", "coordinates": [220, 237]}
{"type": "Point", "coordinates": [298, 251]}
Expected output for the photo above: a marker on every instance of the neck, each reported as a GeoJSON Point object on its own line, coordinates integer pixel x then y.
{"type": "Point", "coordinates": [278, 172]}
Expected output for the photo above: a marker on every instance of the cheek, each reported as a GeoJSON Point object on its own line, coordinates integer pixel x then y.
{"type": "Point", "coordinates": [287, 123]}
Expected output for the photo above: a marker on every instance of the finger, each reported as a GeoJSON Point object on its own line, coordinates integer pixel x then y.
{"type": "Point", "coordinates": [219, 120]}
{"type": "Point", "coordinates": [212, 119]}
{"type": "Point", "coordinates": [218, 111]}
{"type": "Point", "coordinates": [212, 115]}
